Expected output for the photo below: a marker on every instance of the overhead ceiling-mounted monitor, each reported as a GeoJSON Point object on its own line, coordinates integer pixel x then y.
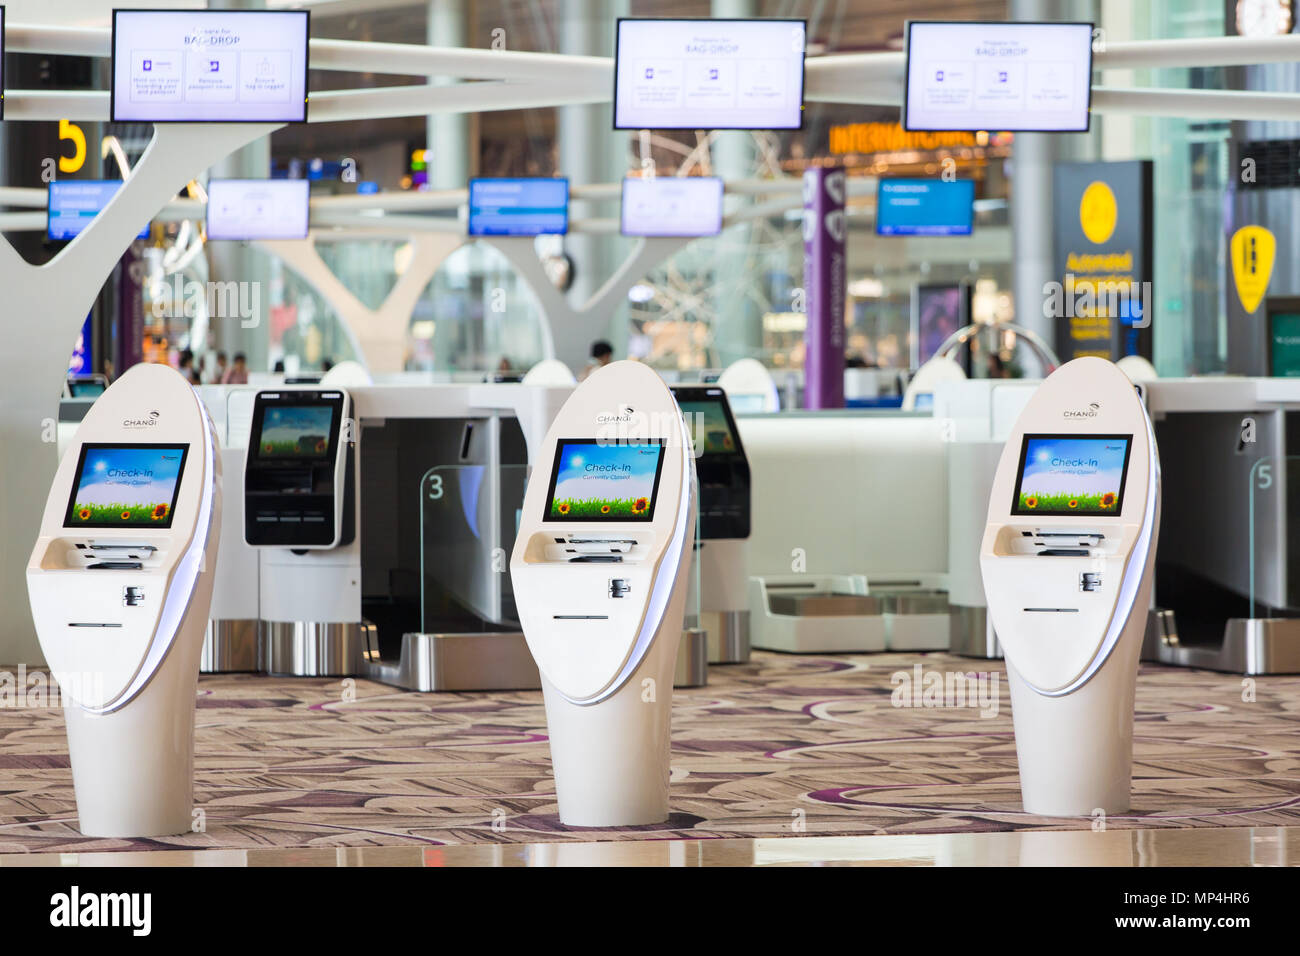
{"type": "Point", "coordinates": [675, 206]}
{"type": "Point", "coordinates": [925, 207]}
{"type": "Point", "coordinates": [74, 203]}
{"type": "Point", "coordinates": [1020, 77]}
{"type": "Point", "coordinates": [258, 208]}
{"type": "Point", "coordinates": [518, 207]}
{"type": "Point", "coordinates": [709, 74]}
{"type": "Point", "coordinates": [213, 66]}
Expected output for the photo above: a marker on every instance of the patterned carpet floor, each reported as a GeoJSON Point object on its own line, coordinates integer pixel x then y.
{"type": "Point", "coordinates": [784, 745]}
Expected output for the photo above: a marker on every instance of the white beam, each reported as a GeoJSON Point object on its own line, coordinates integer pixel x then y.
{"type": "Point", "coordinates": [335, 106]}
{"type": "Point", "coordinates": [1198, 51]}
{"type": "Point", "coordinates": [411, 59]}
{"type": "Point", "coordinates": [1197, 104]}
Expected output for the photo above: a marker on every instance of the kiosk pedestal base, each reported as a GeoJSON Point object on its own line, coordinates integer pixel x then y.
{"type": "Point", "coordinates": [1251, 646]}
{"type": "Point", "coordinates": [431, 663]}
{"type": "Point", "coordinates": [970, 633]}
{"type": "Point", "coordinates": [133, 769]}
{"type": "Point", "coordinates": [728, 636]}
{"type": "Point", "coordinates": [312, 648]}
{"type": "Point", "coordinates": [611, 758]}
{"type": "Point", "coordinates": [455, 662]}
{"type": "Point", "coordinates": [692, 668]}
{"type": "Point", "coordinates": [1076, 751]}
{"type": "Point", "coordinates": [230, 647]}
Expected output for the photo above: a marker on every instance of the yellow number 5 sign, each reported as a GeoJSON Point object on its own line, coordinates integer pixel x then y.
{"type": "Point", "coordinates": [70, 164]}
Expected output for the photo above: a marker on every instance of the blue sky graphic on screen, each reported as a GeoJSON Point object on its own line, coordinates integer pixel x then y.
{"type": "Point", "coordinates": [126, 486]}
{"type": "Point", "coordinates": [1072, 475]}
{"type": "Point", "coordinates": [605, 481]}
{"type": "Point", "coordinates": [925, 207]}
{"type": "Point", "coordinates": [295, 431]}
{"type": "Point", "coordinates": [518, 207]}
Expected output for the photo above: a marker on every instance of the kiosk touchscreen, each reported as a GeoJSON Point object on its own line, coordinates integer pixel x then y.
{"type": "Point", "coordinates": [600, 578]}
{"type": "Point", "coordinates": [1067, 558]}
{"type": "Point", "coordinates": [120, 583]}
{"type": "Point", "coordinates": [298, 475]}
{"type": "Point", "coordinates": [723, 473]}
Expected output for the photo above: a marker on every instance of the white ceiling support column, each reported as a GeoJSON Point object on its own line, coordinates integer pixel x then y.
{"type": "Point", "coordinates": [43, 309]}
{"type": "Point", "coordinates": [566, 329]}
{"type": "Point", "coordinates": [378, 335]}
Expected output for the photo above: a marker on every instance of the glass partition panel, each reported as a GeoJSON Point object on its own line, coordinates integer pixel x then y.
{"type": "Point", "coordinates": [692, 618]}
{"type": "Point", "coordinates": [469, 518]}
{"type": "Point", "coordinates": [1274, 578]}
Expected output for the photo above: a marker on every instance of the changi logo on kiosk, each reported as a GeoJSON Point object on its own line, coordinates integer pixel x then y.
{"type": "Point", "coordinates": [626, 415]}
{"type": "Point", "coordinates": [1089, 412]}
{"type": "Point", "coordinates": [147, 422]}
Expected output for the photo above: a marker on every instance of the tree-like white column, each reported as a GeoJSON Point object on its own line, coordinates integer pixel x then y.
{"type": "Point", "coordinates": [378, 335]}
{"type": "Point", "coordinates": [42, 312]}
{"type": "Point", "coordinates": [567, 330]}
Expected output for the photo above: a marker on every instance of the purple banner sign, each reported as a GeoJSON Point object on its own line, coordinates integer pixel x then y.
{"type": "Point", "coordinates": [824, 279]}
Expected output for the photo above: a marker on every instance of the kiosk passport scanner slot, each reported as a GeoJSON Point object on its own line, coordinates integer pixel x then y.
{"type": "Point", "coordinates": [120, 582]}
{"type": "Point", "coordinates": [298, 476]}
{"type": "Point", "coordinates": [1067, 558]}
{"type": "Point", "coordinates": [723, 472]}
{"type": "Point", "coordinates": [600, 571]}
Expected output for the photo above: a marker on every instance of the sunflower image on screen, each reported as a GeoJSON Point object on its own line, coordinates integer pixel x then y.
{"type": "Point", "coordinates": [1072, 474]}
{"type": "Point", "coordinates": [604, 482]}
{"type": "Point", "coordinates": [126, 486]}
{"type": "Point", "coordinates": [295, 431]}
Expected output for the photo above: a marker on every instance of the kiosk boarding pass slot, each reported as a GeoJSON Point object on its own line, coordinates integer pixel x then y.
{"type": "Point", "coordinates": [1044, 543]}
{"type": "Point", "coordinates": [108, 556]}
{"type": "Point", "coordinates": [595, 480]}
{"type": "Point", "coordinates": [298, 485]}
{"type": "Point", "coordinates": [594, 549]}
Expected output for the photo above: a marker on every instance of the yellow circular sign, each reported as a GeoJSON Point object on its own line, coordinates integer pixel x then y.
{"type": "Point", "coordinates": [1098, 212]}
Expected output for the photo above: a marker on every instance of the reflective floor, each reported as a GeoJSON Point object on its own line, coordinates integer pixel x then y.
{"type": "Point", "coordinates": [1237, 846]}
{"type": "Point", "coordinates": [787, 759]}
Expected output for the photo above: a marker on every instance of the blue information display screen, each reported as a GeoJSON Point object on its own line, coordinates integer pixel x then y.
{"type": "Point", "coordinates": [73, 203]}
{"type": "Point", "coordinates": [1072, 475]}
{"type": "Point", "coordinates": [518, 207]}
{"type": "Point", "coordinates": [925, 207]}
{"type": "Point", "coordinates": [126, 486]}
{"type": "Point", "coordinates": [604, 481]}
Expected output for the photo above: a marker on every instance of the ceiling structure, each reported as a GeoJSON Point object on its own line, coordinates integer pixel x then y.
{"type": "Point", "coordinates": [834, 26]}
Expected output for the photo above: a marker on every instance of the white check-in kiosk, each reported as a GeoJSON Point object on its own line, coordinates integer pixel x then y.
{"type": "Point", "coordinates": [120, 582]}
{"type": "Point", "coordinates": [1068, 558]}
{"type": "Point", "coordinates": [600, 571]}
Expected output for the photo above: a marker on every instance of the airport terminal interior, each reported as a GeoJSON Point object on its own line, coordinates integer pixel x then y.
{"type": "Point", "coordinates": [650, 433]}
